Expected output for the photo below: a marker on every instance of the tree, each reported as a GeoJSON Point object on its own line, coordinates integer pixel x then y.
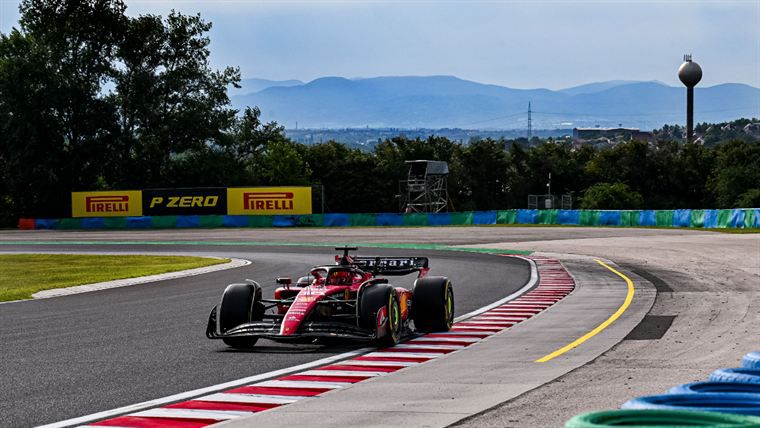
{"type": "Point", "coordinates": [484, 186]}
{"type": "Point", "coordinates": [610, 196]}
{"type": "Point", "coordinates": [348, 176]}
{"type": "Point", "coordinates": [55, 123]}
{"type": "Point", "coordinates": [170, 102]}
{"type": "Point", "coordinates": [283, 164]}
{"type": "Point", "coordinates": [91, 98]}
{"type": "Point", "coordinates": [748, 199]}
{"type": "Point", "coordinates": [249, 138]}
{"type": "Point", "coordinates": [735, 172]}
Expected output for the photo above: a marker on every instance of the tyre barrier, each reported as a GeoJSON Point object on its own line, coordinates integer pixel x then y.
{"type": "Point", "coordinates": [731, 397]}
{"type": "Point", "coordinates": [706, 387]}
{"type": "Point", "coordinates": [738, 374]}
{"type": "Point", "coordinates": [751, 360]}
{"type": "Point", "coordinates": [742, 404]}
{"type": "Point", "coordinates": [709, 219]}
{"type": "Point", "coordinates": [660, 418]}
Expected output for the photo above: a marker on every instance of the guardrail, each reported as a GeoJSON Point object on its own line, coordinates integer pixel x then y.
{"type": "Point", "coordinates": [709, 219]}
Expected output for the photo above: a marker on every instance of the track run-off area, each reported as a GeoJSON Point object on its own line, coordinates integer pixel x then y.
{"type": "Point", "coordinates": [692, 308]}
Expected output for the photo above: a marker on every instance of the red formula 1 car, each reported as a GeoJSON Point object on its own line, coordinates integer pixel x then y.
{"type": "Point", "coordinates": [347, 300]}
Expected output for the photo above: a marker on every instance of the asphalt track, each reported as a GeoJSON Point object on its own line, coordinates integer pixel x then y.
{"type": "Point", "coordinates": [708, 283]}
{"type": "Point", "coordinates": [70, 356]}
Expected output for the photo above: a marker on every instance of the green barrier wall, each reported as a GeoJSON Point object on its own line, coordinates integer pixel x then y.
{"type": "Point", "coordinates": [731, 218]}
{"type": "Point", "coordinates": [697, 218]}
{"type": "Point", "coordinates": [164, 222]}
{"type": "Point", "coordinates": [548, 217]}
{"type": "Point", "coordinates": [664, 218]}
{"type": "Point", "coordinates": [588, 218]}
{"type": "Point", "coordinates": [260, 221]}
{"type": "Point", "coordinates": [114, 222]}
{"type": "Point", "coordinates": [415, 219]}
{"type": "Point", "coordinates": [363, 220]}
{"type": "Point", "coordinates": [211, 221]}
{"type": "Point", "coordinates": [506, 217]}
{"type": "Point", "coordinates": [461, 219]}
{"type": "Point", "coordinates": [629, 218]}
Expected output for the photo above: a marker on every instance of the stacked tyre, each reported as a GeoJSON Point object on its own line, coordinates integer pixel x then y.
{"type": "Point", "coordinates": [730, 398]}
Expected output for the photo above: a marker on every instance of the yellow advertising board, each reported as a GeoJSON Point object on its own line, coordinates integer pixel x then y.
{"type": "Point", "coordinates": [117, 203]}
{"type": "Point", "coordinates": [268, 200]}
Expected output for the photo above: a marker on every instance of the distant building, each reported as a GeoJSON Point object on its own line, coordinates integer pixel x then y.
{"type": "Point", "coordinates": [627, 134]}
{"type": "Point", "coordinates": [752, 129]}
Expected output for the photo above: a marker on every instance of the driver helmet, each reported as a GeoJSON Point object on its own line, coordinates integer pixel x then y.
{"type": "Point", "coordinates": [341, 278]}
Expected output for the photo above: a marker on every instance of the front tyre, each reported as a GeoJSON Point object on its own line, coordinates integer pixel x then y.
{"type": "Point", "coordinates": [374, 299]}
{"type": "Point", "coordinates": [393, 326]}
{"type": "Point", "coordinates": [433, 304]}
{"type": "Point", "coordinates": [241, 303]}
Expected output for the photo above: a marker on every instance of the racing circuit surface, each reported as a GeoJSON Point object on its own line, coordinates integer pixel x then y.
{"type": "Point", "coordinates": [66, 357]}
{"type": "Point", "coordinates": [75, 355]}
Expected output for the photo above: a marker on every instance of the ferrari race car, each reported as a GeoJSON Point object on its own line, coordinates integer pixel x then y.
{"type": "Point", "coordinates": [347, 300]}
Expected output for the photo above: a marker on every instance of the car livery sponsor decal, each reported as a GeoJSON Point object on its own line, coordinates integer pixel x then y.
{"type": "Point", "coordinates": [106, 204]}
{"type": "Point", "coordinates": [303, 304]}
{"type": "Point", "coordinates": [269, 200]}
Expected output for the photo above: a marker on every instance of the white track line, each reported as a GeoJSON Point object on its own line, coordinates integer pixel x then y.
{"type": "Point", "coordinates": [445, 339]}
{"type": "Point", "coordinates": [303, 384]}
{"type": "Point", "coordinates": [78, 289]}
{"type": "Point", "coordinates": [229, 397]}
{"type": "Point", "coordinates": [203, 391]}
{"type": "Point", "coordinates": [424, 346]}
{"type": "Point", "coordinates": [220, 415]}
{"type": "Point", "coordinates": [341, 373]}
{"type": "Point", "coordinates": [364, 363]}
{"type": "Point", "coordinates": [405, 354]}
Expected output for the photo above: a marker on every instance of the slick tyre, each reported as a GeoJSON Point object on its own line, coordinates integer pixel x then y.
{"type": "Point", "coordinates": [240, 304]}
{"type": "Point", "coordinates": [433, 304]}
{"type": "Point", "coordinates": [372, 300]}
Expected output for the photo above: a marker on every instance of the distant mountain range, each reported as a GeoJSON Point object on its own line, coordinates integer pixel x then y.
{"type": "Point", "coordinates": [450, 102]}
{"type": "Point", "coordinates": [249, 86]}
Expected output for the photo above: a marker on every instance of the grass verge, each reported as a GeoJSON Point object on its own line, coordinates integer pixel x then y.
{"type": "Point", "coordinates": [22, 275]}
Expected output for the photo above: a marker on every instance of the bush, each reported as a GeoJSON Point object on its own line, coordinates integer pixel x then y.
{"type": "Point", "coordinates": [610, 196]}
{"type": "Point", "coordinates": [748, 199]}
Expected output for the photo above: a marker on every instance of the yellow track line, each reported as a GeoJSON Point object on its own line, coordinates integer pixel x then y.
{"type": "Point", "coordinates": [600, 327]}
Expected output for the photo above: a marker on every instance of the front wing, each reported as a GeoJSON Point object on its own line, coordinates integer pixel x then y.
{"type": "Point", "coordinates": [270, 329]}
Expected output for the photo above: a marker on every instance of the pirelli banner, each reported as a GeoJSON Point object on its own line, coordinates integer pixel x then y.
{"type": "Point", "coordinates": [123, 203]}
{"type": "Point", "coordinates": [268, 200]}
{"type": "Point", "coordinates": [192, 201]}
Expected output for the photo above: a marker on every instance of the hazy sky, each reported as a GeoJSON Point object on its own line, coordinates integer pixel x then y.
{"type": "Point", "coordinates": [523, 44]}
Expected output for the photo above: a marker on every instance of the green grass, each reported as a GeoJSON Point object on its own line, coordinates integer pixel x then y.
{"type": "Point", "coordinates": [700, 229]}
{"type": "Point", "coordinates": [22, 275]}
{"type": "Point", "coordinates": [736, 231]}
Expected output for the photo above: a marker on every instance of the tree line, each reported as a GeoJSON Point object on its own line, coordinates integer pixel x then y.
{"type": "Point", "coordinates": [94, 99]}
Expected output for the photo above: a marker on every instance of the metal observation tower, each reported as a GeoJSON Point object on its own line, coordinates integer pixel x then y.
{"type": "Point", "coordinates": [425, 189]}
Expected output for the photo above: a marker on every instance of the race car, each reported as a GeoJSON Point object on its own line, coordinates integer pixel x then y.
{"type": "Point", "coordinates": [346, 300]}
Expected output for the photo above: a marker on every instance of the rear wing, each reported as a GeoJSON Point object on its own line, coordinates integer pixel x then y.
{"type": "Point", "coordinates": [393, 265]}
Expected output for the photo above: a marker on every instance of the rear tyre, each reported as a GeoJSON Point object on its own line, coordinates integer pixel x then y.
{"type": "Point", "coordinates": [433, 304]}
{"type": "Point", "coordinates": [241, 303]}
{"type": "Point", "coordinates": [373, 299]}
